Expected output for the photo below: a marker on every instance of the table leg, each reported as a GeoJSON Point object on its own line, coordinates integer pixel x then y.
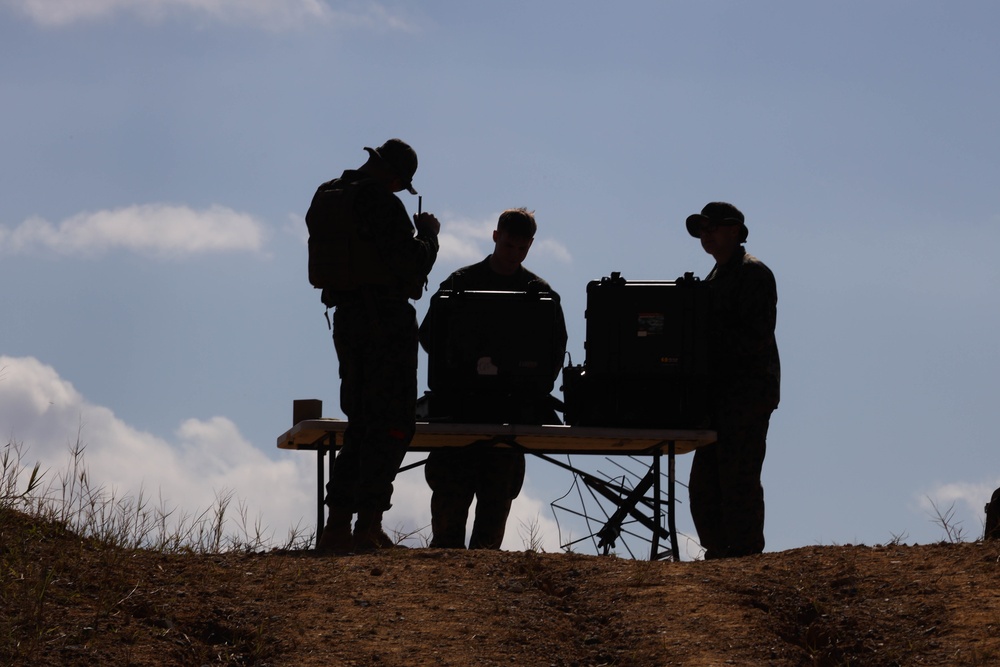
{"type": "Point", "coordinates": [671, 524]}
{"type": "Point", "coordinates": [654, 552]}
{"type": "Point", "coordinates": [320, 482]}
{"type": "Point", "coordinates": [330, 462]}
{"type": "Point", "coordinates": [324, 448]}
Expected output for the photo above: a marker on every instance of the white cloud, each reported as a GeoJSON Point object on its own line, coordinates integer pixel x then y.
{"type": "Point", "coordinates": [465, 241]}
{"type": "Point", "coordinates": [152, 229]}
{"type": "Point", "coordinates": [46, 414]}
{"type": "Point", "coordinates": [268, 14]}
{"type": "Point", "coordinates": [551, 249]}
{"type": "Point", "coordinates": [961, 504]}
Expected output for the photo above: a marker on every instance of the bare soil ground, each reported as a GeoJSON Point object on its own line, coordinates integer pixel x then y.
{"type": "Point", "coordinates": [67, 602]}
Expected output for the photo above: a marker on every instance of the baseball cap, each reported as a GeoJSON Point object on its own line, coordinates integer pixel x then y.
{"type": "Point", "coordinates": [399, 158]}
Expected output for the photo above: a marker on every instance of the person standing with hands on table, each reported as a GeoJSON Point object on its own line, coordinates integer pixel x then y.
{"type": "Point", "coordinates": [727, 499]}
{"type": "Point", "coordinates": [491, 475]}
{"type": "Point", "coordinates": [365, 256]}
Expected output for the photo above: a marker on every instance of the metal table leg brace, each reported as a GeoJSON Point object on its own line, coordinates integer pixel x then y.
{"type": "Point", "coordinates": [627, 500]}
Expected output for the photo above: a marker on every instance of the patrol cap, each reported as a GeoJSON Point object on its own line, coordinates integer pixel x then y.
{"type": "Point", "coordinates": [721, 213]}
{"type": "Point", "coordinates": [401, 160]}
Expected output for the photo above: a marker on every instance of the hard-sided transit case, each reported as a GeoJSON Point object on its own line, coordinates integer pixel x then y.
{"type": "Point", "coordinates": [491, 348]}
{"type": "Point", "coordinates": [646, 362]}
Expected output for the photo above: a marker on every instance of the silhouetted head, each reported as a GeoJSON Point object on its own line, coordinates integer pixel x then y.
{"type": "Point", "coordinates": [512, 239]}
{"type": "Point", "coordinates": [717, 214]}
{"type": "Point", "coordinates": [518, 222]}
{"type": "Point", "coordinates": [399, 159]}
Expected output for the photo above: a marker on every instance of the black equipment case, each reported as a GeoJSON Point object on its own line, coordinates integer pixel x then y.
{"type": "Point", "coordinates": [493, 348]}
{"type": "Point", "coordinates": [646, 357]}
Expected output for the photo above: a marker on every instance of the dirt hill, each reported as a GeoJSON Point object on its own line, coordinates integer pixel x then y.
{"type": "Point", "coordinates": [70, 602]}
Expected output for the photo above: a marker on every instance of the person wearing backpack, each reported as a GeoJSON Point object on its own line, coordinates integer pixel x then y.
{"type": "Point", "coordinates": [369, 259]}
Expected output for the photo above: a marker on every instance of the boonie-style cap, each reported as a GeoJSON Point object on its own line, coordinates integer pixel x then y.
{"type": "Point", "coordinates": [721, 213]}
{"type": "Point", "coordinates": [399, 158]}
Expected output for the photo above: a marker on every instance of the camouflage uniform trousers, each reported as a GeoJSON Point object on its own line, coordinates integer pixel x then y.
{"type": "Point", "coordinates": [493, 476]}
{"type": "Point", "coordinates": [727, 499]}
{"type": "Point", "coordinates": [376, 342]}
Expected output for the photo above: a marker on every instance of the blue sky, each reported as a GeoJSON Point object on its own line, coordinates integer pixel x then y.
{"type": "Point", "coordinates": [159, 156]}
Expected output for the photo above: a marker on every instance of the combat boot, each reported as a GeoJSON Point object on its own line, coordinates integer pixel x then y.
{"type": "Point", "coordinates": [368, 533]}
{"type": "Point", "coordinates": [336, 538]}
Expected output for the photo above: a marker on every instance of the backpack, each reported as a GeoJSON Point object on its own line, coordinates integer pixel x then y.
{"type": "Point", "coordinates": [339, 258]}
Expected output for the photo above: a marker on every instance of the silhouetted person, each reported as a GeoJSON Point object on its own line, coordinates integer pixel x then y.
{"type": "Point", "coordinates": [727, 499]}
{"type": "Point", "coordinates": [375, 335]}
{"type": "Point", "coordinates": [992, 531]}
{"type": "Point", "coordinates": [491, 475]}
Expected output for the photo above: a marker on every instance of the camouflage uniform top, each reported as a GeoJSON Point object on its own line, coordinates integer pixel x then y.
{"type": "Point", "coordinates": [744, 312]}
{"type": "Point", "coordinates": [384, 222]}
{"type": "Point", "coordinates": [480, 277]}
